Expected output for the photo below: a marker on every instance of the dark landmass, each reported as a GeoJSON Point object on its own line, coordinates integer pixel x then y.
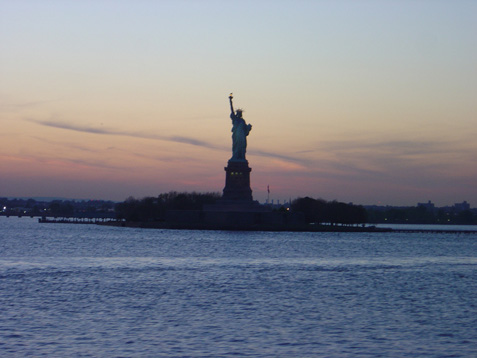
{"type": "Point", "coordinates": [186, 211]}
{"type": "Point", "coordinates": [154, 209]}
{"type": "Point", "coordinates": [57, 208]}
{"type": "Point", "coordinates": [458, 214]}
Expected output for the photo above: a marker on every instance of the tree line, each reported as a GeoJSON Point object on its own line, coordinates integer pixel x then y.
{"type": "Point", "coordinates": [314, 210]}
{"type": "Point", "coordinates": [155, 208]}
{"type": "Point", "coordinates": [320, 211]}
{"type": "Point", "coordinates": [56, 208]}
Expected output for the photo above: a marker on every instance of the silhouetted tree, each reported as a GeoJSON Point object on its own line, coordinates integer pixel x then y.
{"type": "Point", "coordinates": [320, 211]}
{"type": "Point", "coordinates": [465, 218]}
{"type": "Point", "coordinates": [154, 209]}
{"type": "Point", "coordinates": [60, 208]}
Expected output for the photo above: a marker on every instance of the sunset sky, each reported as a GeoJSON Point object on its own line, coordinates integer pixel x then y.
{"type": "Point", "coordinates": [370, 102]}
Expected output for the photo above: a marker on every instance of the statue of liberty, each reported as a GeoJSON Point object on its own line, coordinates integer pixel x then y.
{"type": "Point", "coordinates": [240, 131]}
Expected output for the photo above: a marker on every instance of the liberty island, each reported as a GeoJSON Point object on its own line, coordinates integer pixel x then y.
{"type": "Point", "coordinates": [235, 209]}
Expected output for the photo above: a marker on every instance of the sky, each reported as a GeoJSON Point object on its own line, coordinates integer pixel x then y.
{"type": "Point", "coordinates": [370, 102]}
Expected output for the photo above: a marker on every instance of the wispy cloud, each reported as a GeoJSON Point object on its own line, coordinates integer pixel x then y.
{"type": "Point", "coordinates": [105, 151]}
{"type": "Point", "coordinates": [61, 161]}
{"type": "Point", "coordinates": [392, 161]}
{"type": "Point", "coordinates": [5, 105]}
{"type": "Point", "coordinates": [82, 148]}
{"type": "Point", "coordinates": [287, 158]}
{"type": "Point", "coordinates": [134, 134]}
{"type": "Point", "coordinates": [393, 147]}
{"type": "Point", "coordinates": [153, 136]}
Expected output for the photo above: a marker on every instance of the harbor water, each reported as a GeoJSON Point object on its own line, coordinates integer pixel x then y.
{"type": "Point", "coordinates": [71, 290]}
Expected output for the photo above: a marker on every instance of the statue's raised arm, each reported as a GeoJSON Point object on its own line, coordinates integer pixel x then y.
{"type": "Point", "coordinates": [231, 104]}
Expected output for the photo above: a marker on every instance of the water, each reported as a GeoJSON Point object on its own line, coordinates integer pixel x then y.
{"type": "Point", "coordinates": [429, 227]}
{"type": "Point", "coordinates": [71, 290]}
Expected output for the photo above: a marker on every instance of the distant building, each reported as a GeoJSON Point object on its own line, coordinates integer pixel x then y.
{"type": "Point", "coordinates": [459, 207]}
{"type": "Point", "coordinates": [429, 205]}
{"type": "Point", "coordinates": [286, 204]}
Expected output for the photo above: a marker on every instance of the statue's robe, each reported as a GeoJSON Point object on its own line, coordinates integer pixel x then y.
{"type": "Point", "coordinates": [240, 131]}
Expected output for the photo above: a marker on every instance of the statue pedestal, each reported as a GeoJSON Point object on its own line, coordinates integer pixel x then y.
{"type": "Point", "coordinates": [237, 194]}
{"type": "Point", "coordinates": [237, 182]}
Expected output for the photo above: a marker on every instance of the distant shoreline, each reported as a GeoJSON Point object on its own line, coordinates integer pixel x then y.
{"type": "Point", "coordinates": [269, 228]}
{"type": "Point", "coordinates": [370, 228]}
{"type": "Point", "coordinates": [291, 228]}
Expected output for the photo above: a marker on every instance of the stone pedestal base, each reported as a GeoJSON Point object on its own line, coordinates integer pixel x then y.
{"type": "Point", "coordinates": [237, 195]}
{"type": "Point", "coordinates": [237, 182]}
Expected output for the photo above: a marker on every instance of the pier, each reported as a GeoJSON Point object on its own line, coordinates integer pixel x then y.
{"type": "Point", "coordinates": [74, 220]}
